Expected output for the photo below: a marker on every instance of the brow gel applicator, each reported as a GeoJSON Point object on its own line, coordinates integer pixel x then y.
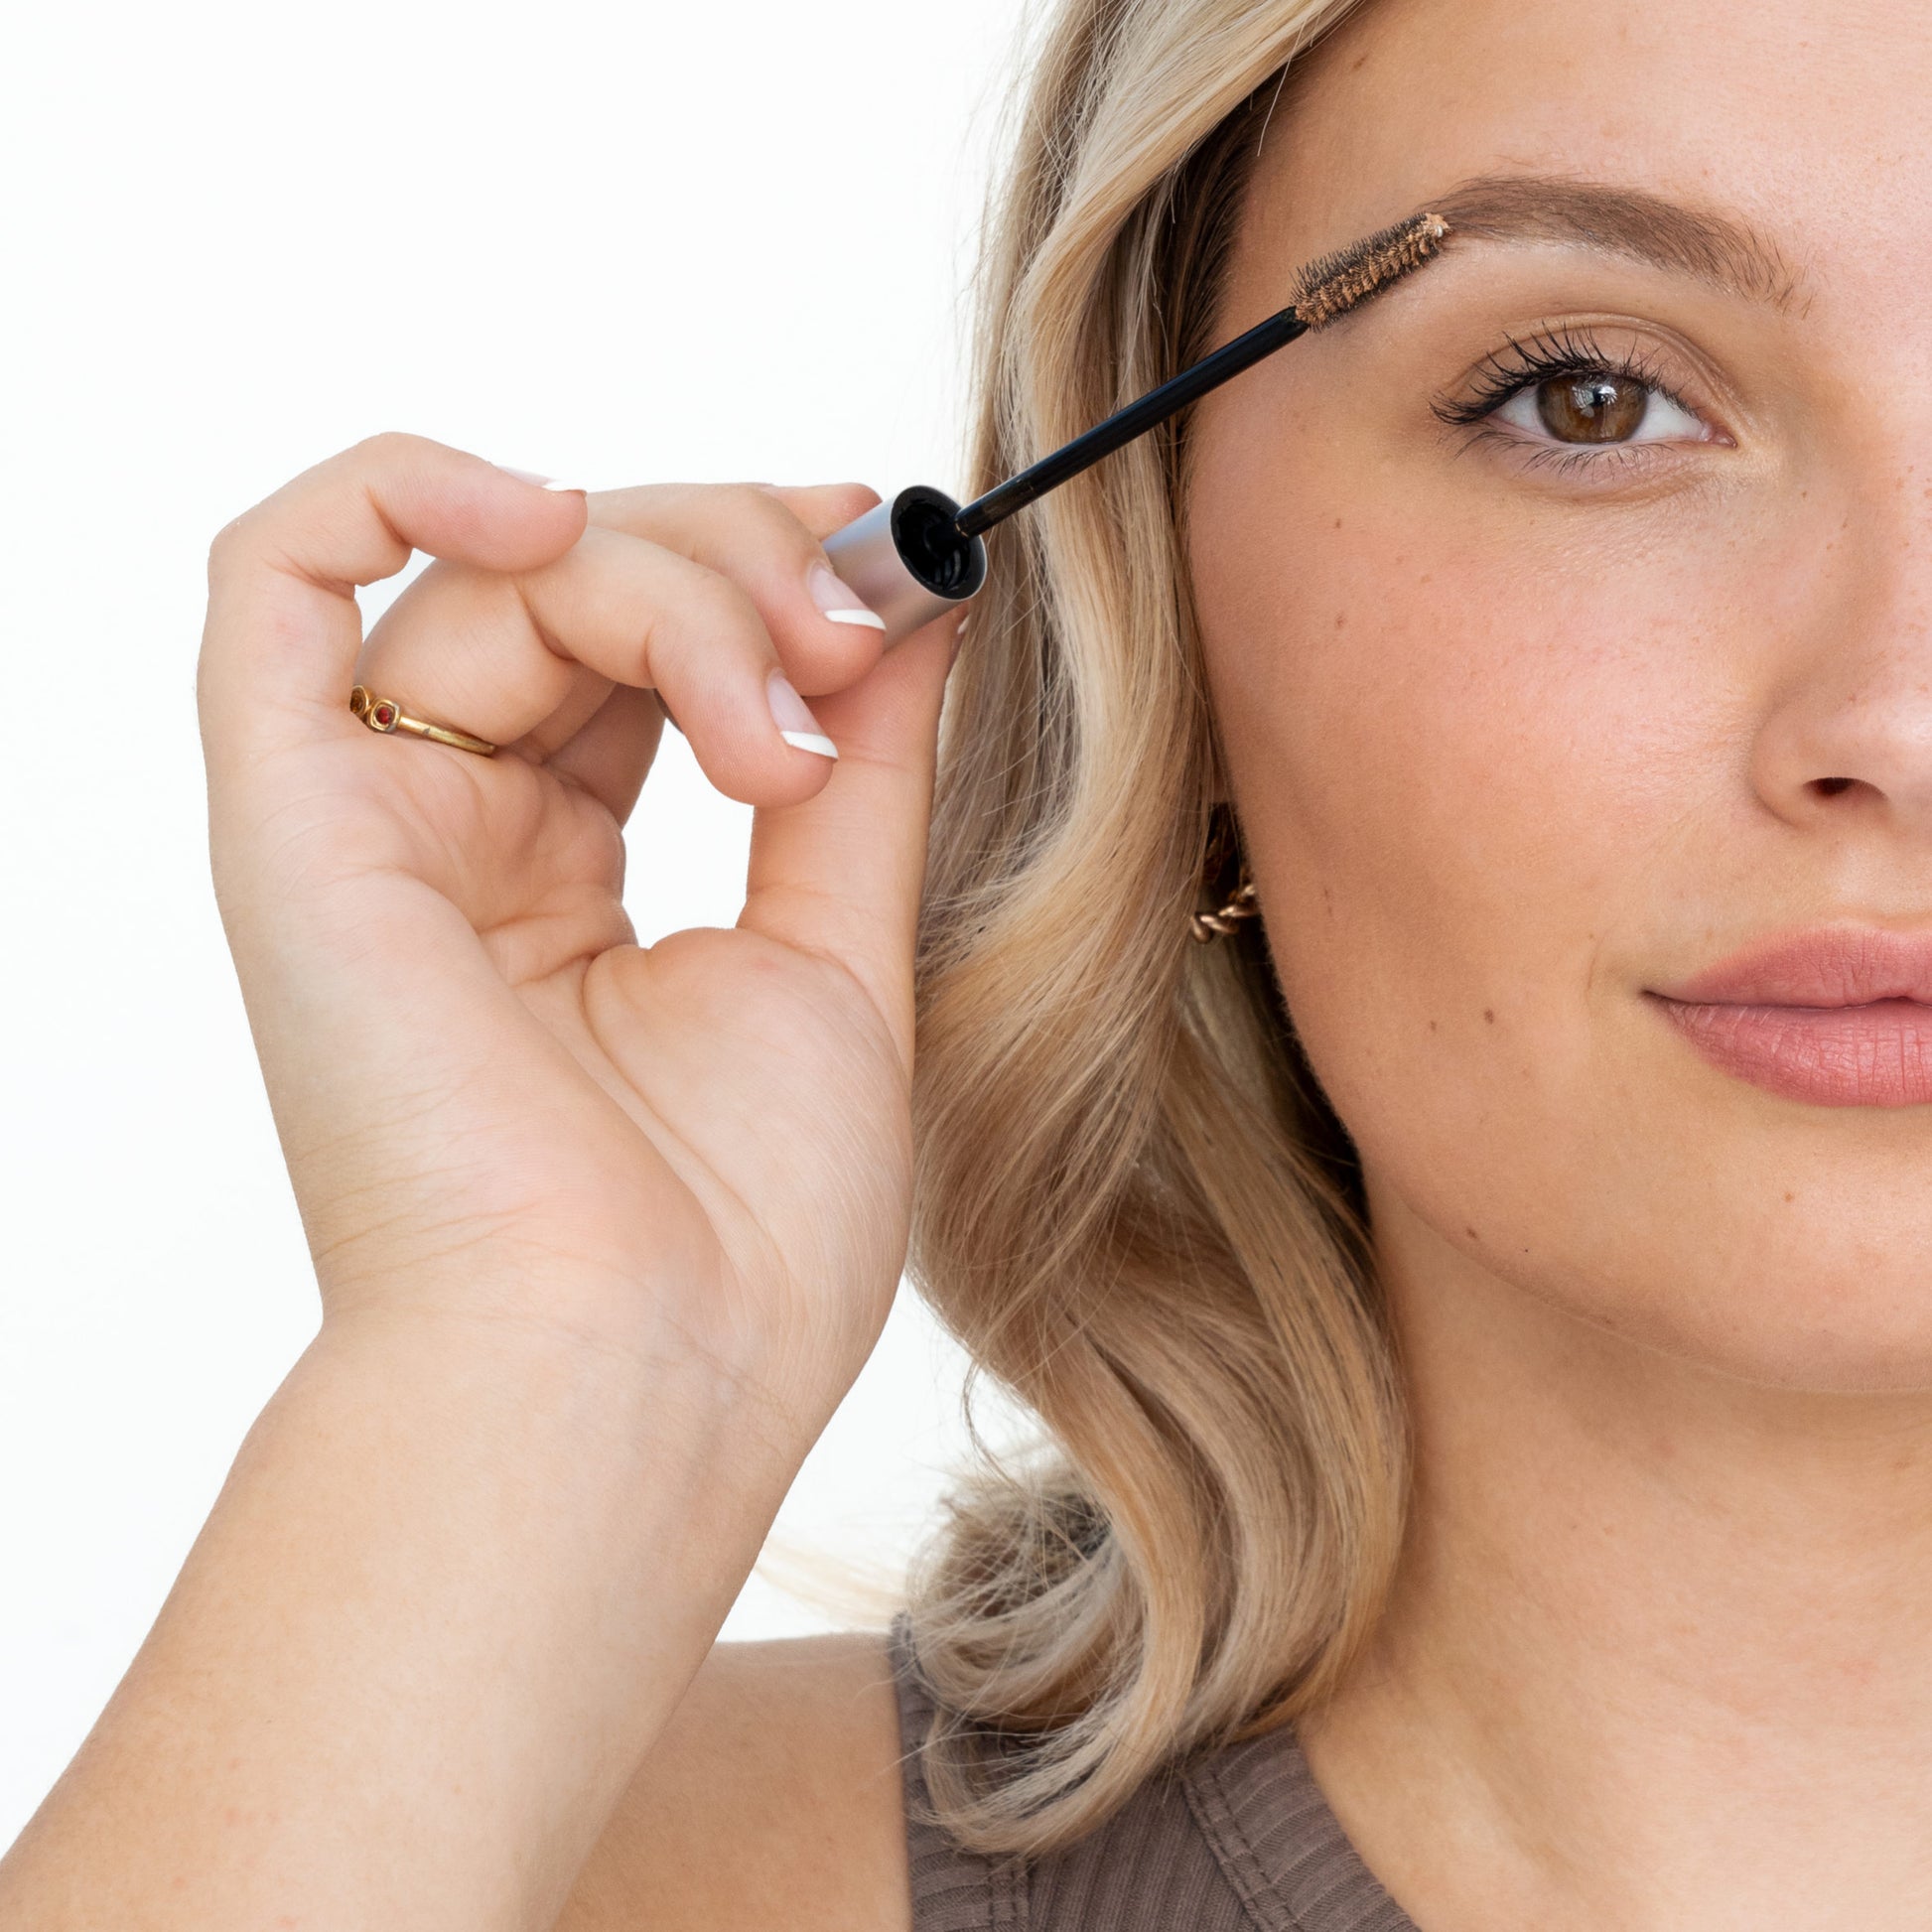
{"type": "Point", "coordinates": [919, 555]}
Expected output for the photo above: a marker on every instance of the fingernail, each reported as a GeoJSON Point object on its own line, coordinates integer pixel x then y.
{"type": "Point", "coordinates": [793, 717]}
{"type": "Point", "coordinates": [839, 602]}
{"type": "Point", "coordinates": [541, 481]}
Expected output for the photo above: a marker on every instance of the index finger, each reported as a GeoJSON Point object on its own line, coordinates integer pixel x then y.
{"type": "Point", "coordinates": [283, 628]}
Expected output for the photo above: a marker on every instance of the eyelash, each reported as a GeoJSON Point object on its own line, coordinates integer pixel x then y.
{"type": "Point", "coordinates": [1567, 353]}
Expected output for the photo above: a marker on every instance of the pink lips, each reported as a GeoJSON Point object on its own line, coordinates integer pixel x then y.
{"type": "Point", "coordinates": [1841, 1016]}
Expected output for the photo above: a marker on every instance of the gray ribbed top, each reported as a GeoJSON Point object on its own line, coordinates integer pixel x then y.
{"type": "Point", "coordinates": [1233, 1841]}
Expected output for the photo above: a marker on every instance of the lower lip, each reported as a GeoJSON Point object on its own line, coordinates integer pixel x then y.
{"type": "Point", "coordinates": [1879, 1055]}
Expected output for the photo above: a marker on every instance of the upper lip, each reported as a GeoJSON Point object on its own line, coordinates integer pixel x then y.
{"type": "Point", "coordinates": [1829, 966]}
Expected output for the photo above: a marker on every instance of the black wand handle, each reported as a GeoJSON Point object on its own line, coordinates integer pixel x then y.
{"type": "Point", "coordinates": [1135, 420]}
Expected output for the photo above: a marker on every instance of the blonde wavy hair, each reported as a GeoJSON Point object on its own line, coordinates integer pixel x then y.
{"type": "Point", "coordinates": [1134, 1207]}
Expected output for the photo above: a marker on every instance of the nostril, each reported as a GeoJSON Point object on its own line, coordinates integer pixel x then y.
{"type": "Point", "coordinates": [1830, 787]}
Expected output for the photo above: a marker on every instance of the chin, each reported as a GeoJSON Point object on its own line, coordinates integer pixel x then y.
{"type": "Point", "coordinates": [1822, 1282]}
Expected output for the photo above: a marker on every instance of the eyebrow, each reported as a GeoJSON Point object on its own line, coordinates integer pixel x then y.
{"type": "Point", "coordinates": [1719, 249]}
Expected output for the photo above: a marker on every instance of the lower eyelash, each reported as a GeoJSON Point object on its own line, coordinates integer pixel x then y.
{"type": "Point", "coordinates": [1562, 458]}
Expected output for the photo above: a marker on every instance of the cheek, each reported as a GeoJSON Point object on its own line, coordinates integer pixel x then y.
{"type": "Point", "coordinates": [1468, 759]}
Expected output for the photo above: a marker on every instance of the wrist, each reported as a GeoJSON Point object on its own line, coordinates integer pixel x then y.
{"type": "Point", "coordinates": [639, 1400]}
{"type": "Point", "coordinates": [661, 1330]}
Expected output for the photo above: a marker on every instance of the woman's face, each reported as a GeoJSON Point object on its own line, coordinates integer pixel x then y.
{"type": "Point", "coordinates": [1584, 748]}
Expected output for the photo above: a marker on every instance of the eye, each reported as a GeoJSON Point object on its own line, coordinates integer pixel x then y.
{"type": "Point", "coordinates": [1600, 405]}
{"type": "Point", "coordinates": [1568, 398]}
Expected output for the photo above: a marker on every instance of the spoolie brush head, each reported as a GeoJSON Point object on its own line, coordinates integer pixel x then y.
{"type": "Point", "coordinates": [1332, 285]}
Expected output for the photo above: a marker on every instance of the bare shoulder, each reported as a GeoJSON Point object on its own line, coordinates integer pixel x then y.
{"type": "Point", "coordinates": [772, 1798]}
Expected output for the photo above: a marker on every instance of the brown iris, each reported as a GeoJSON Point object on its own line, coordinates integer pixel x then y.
{"type": "Point", "coordinates": [1592, 409]}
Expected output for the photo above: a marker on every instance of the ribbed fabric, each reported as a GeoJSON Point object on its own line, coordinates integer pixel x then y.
{"type": "Point", "coordinates": [1235, 1841]}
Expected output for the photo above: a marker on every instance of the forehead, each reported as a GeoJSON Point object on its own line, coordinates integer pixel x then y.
{"type": "Point", "coordinates": [1806, 117]}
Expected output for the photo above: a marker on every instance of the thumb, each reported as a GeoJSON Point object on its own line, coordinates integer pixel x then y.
{"type": "Point", "coordinates": [840, 873]}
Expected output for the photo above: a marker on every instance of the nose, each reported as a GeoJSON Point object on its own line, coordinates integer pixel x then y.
{"type": "Point", "coordinates": [1848, 737]}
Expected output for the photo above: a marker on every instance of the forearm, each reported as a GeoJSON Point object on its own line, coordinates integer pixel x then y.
{"type": "Point", "coordinates": [455, 1584]}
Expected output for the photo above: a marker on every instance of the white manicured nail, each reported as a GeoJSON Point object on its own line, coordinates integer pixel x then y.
{"type": "Point", "coordinates": [540, 480]}
{"type": "Point", "coordinates": [793, 717]}
{"type": "Point", "coordinates": [838, 601]}
{"type": "Point", "coordinates": [811, 742]}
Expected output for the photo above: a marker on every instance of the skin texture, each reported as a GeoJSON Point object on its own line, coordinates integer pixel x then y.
{"type": "Point", "coordinates": [1513, 746]}
{"type": "Point", "coordinates": [772, 1798]}
{"type": "Point", "coordinates": [602, 1234]}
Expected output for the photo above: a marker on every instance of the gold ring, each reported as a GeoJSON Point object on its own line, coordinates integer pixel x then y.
{"type": "Point", "coordinates": [386, 714]}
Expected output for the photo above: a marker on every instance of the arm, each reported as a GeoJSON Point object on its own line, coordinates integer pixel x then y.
{"type": "Point", "coordinates": [602, 1234]}
{"type": "Point", "coordinates": [774, 1797]}
{"type": "Point", "coordinates": [454, 1583]}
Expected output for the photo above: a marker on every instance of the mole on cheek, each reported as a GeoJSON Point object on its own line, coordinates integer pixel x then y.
{"type": "Point", "coordinates": [1488, 1013]}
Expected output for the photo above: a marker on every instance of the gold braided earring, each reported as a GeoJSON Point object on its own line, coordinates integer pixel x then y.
{"type": "Point", "coordinates": [1226, 920]}
{"type": "Point", "coordinates": [1223, 841]}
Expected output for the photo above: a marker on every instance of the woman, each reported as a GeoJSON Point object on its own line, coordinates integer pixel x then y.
{"type": "Point", "coordinates": [1490, 1420]}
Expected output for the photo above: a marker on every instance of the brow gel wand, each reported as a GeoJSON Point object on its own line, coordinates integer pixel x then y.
{"type": "Point", "coordinates": [919, 555]}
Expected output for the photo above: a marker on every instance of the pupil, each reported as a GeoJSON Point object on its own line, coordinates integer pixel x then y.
{"type": "Point", "coordinates": [1592, 409]}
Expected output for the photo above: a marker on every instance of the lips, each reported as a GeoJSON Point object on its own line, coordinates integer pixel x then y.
{"type": "Point", "coordinates": [1839, 1016]}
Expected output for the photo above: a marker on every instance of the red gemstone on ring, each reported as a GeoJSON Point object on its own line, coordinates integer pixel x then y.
{"type": "Point", "coordinates": [385, 715]}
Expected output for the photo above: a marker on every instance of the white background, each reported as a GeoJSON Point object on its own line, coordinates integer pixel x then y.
{"type": "Point", "coordinates": [610, 243]}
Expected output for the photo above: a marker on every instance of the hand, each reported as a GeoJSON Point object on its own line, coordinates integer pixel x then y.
{"type": "Point", "coordinates": [495, 1105]}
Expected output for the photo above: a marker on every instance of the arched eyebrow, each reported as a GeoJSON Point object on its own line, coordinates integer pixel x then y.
{"type": "Point", "coordinates": [1721, 249]}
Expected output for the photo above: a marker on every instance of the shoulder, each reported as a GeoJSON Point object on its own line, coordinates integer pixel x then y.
{"type": "Point", "coordinates": [772, 1798]}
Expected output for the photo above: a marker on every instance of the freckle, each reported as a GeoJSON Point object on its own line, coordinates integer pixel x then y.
{"type": "Point", "coordinates": [1472, 1234]}
{"type": "Point", "coordinates": [1432, 1026]}
{"type": "Point", "coordinates": [1791, 1196]}
{"type": "Point", "coordinates": [1490, 1014]}
{"type": "Point", "coordinates": [1337, 523]}
{"type": "Point", "coordinates": [1341, 622]}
